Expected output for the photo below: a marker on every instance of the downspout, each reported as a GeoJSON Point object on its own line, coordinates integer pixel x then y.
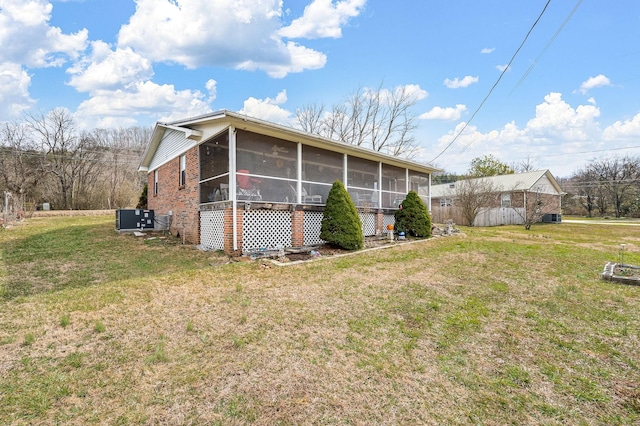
{"type": "Point", "coordinates": [232, 184]}
{"type": "Point", "coordinates": [525, 206]}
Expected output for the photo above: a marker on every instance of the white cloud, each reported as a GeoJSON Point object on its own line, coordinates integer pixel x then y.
{"type": "Point", "coordinates": [502, 68]}
{"type": "Point", "coordinates": [323, 18]}
{"type": "Point", "coordinates": [212, 87]}
{"type": "Point", "coordinates": [144, 100]}
{"type": "Point", "coordinates": [556, 119]}
{"type": "Point", "coordinates": [14, 90]}
{"type": "Point", "coordinates": [487, 50]}
{"type": "Point", "coordinates": [591, 83]}
{"type": "Point", "coordinates": [623, 129]}
{"type": "Point", "coordinates": [411, 92]}
{"type": "Point", "coordinates": [556, 129]}
{"type": "Point", "coordinates": [239, 34]}
{"type": "Point", "coordinates": [457, 83]}
{"type": "Point", "coordinates": [439, 113]}
{"type": "Point", "coordinates": [301, 58]}
{"type": "Point", "coordinates": [268, 109]}
{"type": "Point", "coordinates": [28, 41]}
{"type": "Point", "coordinates": [27, 38]}
{"type": "Point", "coordinates": [107, 69]}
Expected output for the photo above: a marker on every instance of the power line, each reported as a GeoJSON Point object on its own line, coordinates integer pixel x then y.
{"type": "Point", "coordinates": [549, 43]}
{"type": "Point", "coordinates": [455, 138]}
{"type": "Point", "coordinates": [585, 152]}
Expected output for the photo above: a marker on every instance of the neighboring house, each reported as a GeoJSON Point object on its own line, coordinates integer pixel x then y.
{"type": "Point", "coordinates": [504, 199]}
{"type": "Point", "coordinates": [238, 184]}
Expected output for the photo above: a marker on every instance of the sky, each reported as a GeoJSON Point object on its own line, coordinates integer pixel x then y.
{"type": "Point", "coordinates": [552, 83]}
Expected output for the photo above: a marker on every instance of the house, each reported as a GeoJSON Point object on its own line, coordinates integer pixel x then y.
{"type": "Point", "coordinates": [499, 200]}
{"type": "Point", "coordinates": [235, 183]}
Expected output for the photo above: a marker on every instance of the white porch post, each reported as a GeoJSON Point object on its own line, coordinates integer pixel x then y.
{"type": "Point", "coordinates": [379, 185]}
{"type": "Point", "coordinates": [299, 174]}
{"type": "Point", "coordinates": [232, 184]}
{"type": "Point", "coordinates": [344, 173]}
{"type": "Point", "coordinates": [407, 183]}
{"type": "Point", "coordinates": [429, 194]}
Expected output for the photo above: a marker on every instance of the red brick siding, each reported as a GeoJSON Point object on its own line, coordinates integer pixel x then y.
{"type": "Point", "coordinates": [182, 201]}
{"type": "Point", "coordinates": [228, 231]}
{"type": "Point", "coordinates": [380, 224]}
{"type": "Point", "coordinates": [297, 228]}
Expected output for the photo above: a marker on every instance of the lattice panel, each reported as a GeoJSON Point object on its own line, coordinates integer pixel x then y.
{"type": "Point", "coordinates": [212, 229]}
{"type": "Point", "coordinates": [312, 227]}
{"type": "Point", "coordinates": [266, 229]}
{"type": "Point", "coordinates": [388, 219]}
{"type": "Point", "coordinates": [368, 223]}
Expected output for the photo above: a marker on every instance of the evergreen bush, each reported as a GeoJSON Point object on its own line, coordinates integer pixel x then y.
{"type": "Point", "coordinates": [413, 218]}
{"type": "Point", "coordinates": [341, 224]}
{"type": "Point", "coordinates": [142, 201]}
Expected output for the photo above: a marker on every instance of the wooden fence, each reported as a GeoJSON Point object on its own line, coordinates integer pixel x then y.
{"type": "Point", "coordinates": [486, 217]}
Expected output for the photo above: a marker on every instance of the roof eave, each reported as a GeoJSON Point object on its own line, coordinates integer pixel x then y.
{"type": "Point", "coordinates": [253, 124]}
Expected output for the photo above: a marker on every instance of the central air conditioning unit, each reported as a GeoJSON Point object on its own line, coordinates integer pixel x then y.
{"type": "Point", "coordinates": [134, 220]}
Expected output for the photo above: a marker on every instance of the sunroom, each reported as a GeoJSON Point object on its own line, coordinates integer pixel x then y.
{"type": "Point", "coordinates": [262, 186]}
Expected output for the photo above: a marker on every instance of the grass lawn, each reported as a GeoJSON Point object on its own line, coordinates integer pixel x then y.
{"type": "Point", "coordinates": [493, 326]}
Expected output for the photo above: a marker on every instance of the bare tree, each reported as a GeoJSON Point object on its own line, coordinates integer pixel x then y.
{"type": "Point", "coordinates": [123, 149]}
{"type": "Point", "coordinates": [528, 164]}
{"type": "Point", "coordinates": [473, 196]}
{"type": "Point", "coordinates": [378, 119]}
{"type": "Point", "coordinates": [584, 187]}
{"type": "Point", "coordinates": [310, 118]}
{"type": "Point", "coordinates": [618, 177]}
{"type": "Point", "coordinates": [69, 158]}
{"type": "Point", "coordinates": [19, 164]}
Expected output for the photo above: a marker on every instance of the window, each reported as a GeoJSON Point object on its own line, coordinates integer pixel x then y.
{"type": "Point", "coordinates": [445, 202]}
{"type": "Point", "coordinates": [506, 200]}
{"type": "Point", "coordinates": [155, 182]}
{"type": "Point", "coordinates": [183, 169]}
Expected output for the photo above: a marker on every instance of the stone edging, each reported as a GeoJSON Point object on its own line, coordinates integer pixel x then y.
{"type": "Point", "coordinates": [608, 275]}
{"type": "Point", "coordinates": [298, 262]}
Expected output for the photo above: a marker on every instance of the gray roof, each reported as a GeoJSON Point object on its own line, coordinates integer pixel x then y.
{"type": "Point", "coordinates": [515, 182]}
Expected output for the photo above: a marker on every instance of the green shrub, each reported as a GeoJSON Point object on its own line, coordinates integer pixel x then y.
{"type": "Point", "coordinates": [341, 224]}
{"type": "Point", "coordinates": [142, 201]}
{"type": "Point", "coordinates": [413, 218]}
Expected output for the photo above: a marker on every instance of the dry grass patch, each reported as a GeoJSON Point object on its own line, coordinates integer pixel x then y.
{"type": "Point", "coordinates": [497, 326]}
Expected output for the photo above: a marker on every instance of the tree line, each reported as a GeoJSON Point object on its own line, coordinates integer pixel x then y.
{"type": "Point", "coordinates": [45, 159]}
{"type": "Point", "coordinates": [605, 187]}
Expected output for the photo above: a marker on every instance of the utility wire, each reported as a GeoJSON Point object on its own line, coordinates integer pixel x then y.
{"type": "Point", "coordinates": [549, 43]}
{"type": "Point", "coordinates": [455, 138]}
{"type": "Point", "coordinates": [583, 152]}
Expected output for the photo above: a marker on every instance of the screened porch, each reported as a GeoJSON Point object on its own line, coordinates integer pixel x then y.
{"type": "Point", "coordinates": [275, 171]}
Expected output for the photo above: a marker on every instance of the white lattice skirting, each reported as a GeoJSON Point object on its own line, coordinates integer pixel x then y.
{"type": "Point", "coordinates": [269, 229]}
{"type": "Point", "coordinates": [312, 228]}
{"type": "Point", "coordinates": [388, 219]}
{"type": "Point", "coordinates": [212, 229]}
{"type": "Point", "coordinates": [265, 229]}
{"type": "Point", "coordinates": [368, 223]}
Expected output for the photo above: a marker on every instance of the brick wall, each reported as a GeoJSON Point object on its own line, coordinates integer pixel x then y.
{"type": "Point", "coordinates": [297, 228]}
{"type": "Point", "coordinates": [182, 201]}
{"type": "Point", "coordinates": [228, 231]}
